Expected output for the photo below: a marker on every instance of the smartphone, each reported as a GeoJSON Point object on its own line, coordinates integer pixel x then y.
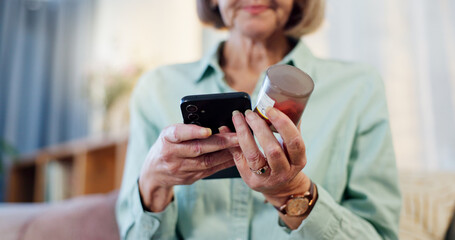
{"type": "Point", "coordinates": [213, 111]}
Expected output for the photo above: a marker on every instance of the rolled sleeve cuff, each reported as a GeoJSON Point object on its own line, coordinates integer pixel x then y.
{"type": "Point", "coordinates": [323, 221]}
{"type": "Point", "coordinates": [150, 223]}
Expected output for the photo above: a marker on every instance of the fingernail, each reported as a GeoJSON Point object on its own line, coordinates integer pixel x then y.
{"type": "Point", "coordinates": [223, 129]}
{"type": "Point", "coordinates": [206, 131]}
{"type": "Point", "coordinates": [248, 113]}
{"type": "Point", "coordinates": [271, 113]}
{"type": "Point", "coordinates": [235, 140]}
{"type": "Point", "coordinates": [235, 112]}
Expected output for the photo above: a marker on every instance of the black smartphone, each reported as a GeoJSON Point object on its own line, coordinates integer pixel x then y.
{"type": "Point", "coordinates": [213, 111]}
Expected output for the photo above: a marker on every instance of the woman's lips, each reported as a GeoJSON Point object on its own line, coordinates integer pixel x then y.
{"type": "Point", "coordinates": [255, 9]}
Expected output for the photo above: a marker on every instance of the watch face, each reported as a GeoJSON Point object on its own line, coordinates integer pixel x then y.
{"type": "Point", "coordinates": [297, 206]}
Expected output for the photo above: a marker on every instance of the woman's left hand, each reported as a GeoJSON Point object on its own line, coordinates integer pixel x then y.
{"type": "Point", "coordinates": [282, 176]}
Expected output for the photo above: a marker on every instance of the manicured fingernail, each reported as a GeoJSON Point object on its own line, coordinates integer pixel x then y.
{"type": "Point", "coordinates": [235, 112]}
{"type": "Point", "coordinates": [271, 113]}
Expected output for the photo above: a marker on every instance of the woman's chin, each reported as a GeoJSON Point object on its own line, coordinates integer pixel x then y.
{"type": "Point", "coordinates": [256, 28]}
{"type": "Point", "coordinates": [258, 33]}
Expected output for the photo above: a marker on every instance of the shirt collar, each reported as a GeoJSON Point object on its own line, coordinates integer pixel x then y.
{"type": "Point", "coordinates": [209, 63]}
{"type": "Point", "coordinates": [300, 56]}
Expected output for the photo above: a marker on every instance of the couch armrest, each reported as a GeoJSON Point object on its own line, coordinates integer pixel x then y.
{"type": "Point", "coordinates": [87, 217]}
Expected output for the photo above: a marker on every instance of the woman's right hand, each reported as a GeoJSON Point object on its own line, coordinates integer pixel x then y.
{"type": "Point", "coordinates": [182, 154]}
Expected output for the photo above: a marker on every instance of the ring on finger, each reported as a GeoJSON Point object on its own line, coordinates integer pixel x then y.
{"type": "Point", "coordinates": [260, 170]}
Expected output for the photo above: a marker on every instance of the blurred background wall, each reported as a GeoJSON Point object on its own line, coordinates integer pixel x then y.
{"type": "Point", "coordinates": [67, 67]}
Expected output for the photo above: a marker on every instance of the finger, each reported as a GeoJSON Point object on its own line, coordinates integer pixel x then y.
{"type": "Point", "coordinates": [237, 155]}
{"type": "Point", "coordinates": [183, 132]}
{"type": "Point", "coordinates": [292, 140]}
{"type": "Point", "coordinates": [192, 176]}
{"type": "Point", "coordinates": [217, 168]}
{"type": "Point", "coordinates": [199, 147]}
{"type": "Point", "coordinates": [276, 156]}
{"type": "Point", "coordinates": [206, 161]}
{"type": "Point", "coordinates": [250, 150]}
{"type": "Point", "coordinates": [224, 129]}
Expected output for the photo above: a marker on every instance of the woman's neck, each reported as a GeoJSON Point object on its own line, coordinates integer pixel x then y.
{"type": "Point", "coordinates": [243, 59]}
{"type": "Point", "coordinates": [240, 52]}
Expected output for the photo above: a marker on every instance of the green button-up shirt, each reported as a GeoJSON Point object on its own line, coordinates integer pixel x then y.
{"type": "Point", "coordinates": [349, 150]}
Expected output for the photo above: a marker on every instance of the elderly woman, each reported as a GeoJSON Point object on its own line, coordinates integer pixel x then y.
{"type": "Point", "coordinates": [335, 178]}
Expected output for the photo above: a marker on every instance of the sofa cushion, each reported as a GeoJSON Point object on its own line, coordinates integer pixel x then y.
{"type": "Point", "coordinates": [89, 217]}
{"type": "Point", "coordinates": [15, 217]}
{"type": "Point", "coordinates": [428, 204]}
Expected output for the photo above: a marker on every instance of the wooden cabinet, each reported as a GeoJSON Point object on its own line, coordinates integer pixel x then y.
{"type": "Point", "coordinates": [68, 170]}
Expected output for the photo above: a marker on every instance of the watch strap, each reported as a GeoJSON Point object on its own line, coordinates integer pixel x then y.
{"type": "Point", "coordinates": [308, 195]}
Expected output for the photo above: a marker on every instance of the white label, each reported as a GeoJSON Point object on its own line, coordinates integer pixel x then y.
{"type": "Point", "coordinates": [264, 101]}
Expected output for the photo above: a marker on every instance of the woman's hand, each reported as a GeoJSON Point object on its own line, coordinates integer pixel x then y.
{"type": "Point", "coordinates": [282, 176]}
{"type": "Point", "coordinates": [181, 155]}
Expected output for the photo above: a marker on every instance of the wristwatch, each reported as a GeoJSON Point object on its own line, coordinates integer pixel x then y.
{"type": "Point", "coordinates": [298, 205]}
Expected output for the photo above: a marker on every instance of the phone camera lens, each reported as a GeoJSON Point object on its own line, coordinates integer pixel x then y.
{"type": "Point", "coordinates": [191, 108]}
{"type": "Point", "coordinates": [196, 123]}
{"type": "Point", "coordinates": [193, 117]}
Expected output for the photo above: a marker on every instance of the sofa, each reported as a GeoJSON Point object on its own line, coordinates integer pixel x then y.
{"type": "Point", "coordinates": [88, 217]}
{"type": "Point", "coordinates": [428, 211]}
{"type": "Point", "coordinates": [428, 205]}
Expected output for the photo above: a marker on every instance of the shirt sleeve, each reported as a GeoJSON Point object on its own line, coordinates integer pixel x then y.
{"type": "Point", "coordinates": [371, 203]}
{"type": "Point", "coordinates": [133, 221]}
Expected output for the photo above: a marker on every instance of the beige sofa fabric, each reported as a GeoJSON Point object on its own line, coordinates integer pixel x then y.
{"type": "Point", "coordinates": [428, 204]}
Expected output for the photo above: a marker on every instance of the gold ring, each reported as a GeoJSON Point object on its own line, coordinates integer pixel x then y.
{"type": "Point", "coordinates": [260, 170]}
